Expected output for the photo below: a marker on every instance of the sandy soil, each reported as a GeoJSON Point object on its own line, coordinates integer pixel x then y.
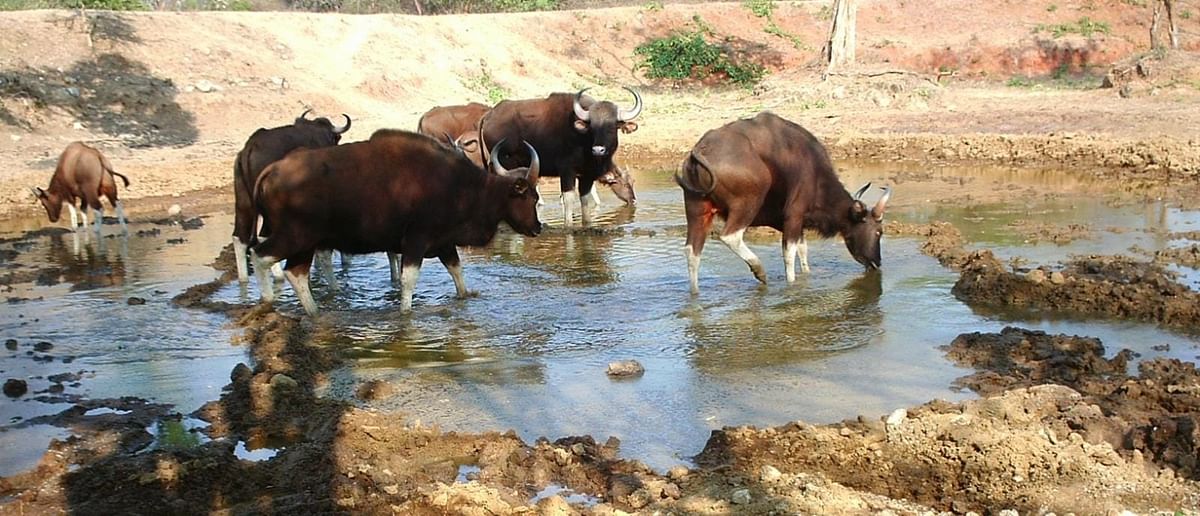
{"type": "Point", "coordinates": [170, 97]}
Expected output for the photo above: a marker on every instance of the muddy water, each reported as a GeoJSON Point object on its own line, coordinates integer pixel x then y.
{"type": "Point", "coordinates": [530, 352]}
{"type": "Point", "coordinates": [78, 302]}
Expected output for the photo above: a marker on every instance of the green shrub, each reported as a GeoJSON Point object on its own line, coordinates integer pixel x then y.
{"type": "Point", "coordinates": [107, 5]}
{"type": "Point", "coordinates": [685, 55]}
{"type": "Point", "coordinates": [760, 8]}
{"type": "Point", "coordinates": [1084, 27]}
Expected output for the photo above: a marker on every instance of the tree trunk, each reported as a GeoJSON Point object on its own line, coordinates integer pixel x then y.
{"type": "Point", "coordinates": [418, 4]}
{"type": "Point", "coordinates": [839, 49]}
{"type": "Point", "coordinates": [1172, 28]}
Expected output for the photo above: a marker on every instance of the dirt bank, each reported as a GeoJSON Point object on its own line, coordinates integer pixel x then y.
{"type": "Point", "coordinates": [170, 97]}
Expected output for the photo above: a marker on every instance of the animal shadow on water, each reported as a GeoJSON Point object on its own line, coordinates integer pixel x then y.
{"type": "Point", "coordinates": [108, 93]}
{"type": "Point", "coordinates": [87, 265]}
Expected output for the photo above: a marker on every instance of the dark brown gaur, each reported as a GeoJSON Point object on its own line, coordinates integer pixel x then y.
{"type": "Point", "coordinates": [768, 171]}
{"type": "Point", "coordinates": [264, 147]}
{"type": "Point", "coordinates": [399, 192]}
{"type": "Point", "coordinates": [576, 136]}
{"type": "Point", "coordinates": [83, 174]}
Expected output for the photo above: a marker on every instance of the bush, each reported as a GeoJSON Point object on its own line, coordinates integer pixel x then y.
{"type": "Point", "coordinates": [685, 55]}
{"type": "Point", "coordinates": [760, 8]}
{"type": "Point", "coordinates": [1084, 27]}
{"type": "Point", "coordinates": [109, 5]}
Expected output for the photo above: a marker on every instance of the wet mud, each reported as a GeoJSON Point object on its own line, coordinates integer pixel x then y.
{"type": "Point", "coordinates": [1103, 286]}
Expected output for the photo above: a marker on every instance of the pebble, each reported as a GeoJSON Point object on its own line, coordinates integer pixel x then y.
{"type": "Point", "coordinates": [625, 368]}
{"type": "Point", "coordinates": [769, 473]}
{"type": "Point", "coordinates": [677, 473]}
{"type": "Point", "coordinates": [283, 381]}
{"type": "Point", "coordinates": [174, 210]}
{"type": "Point", "coordinates": [1036, 275]}
{"type": "Point", "coordinates": [1057, 278]}
{"type": "Point", "coordinates": [43, 347]}
{"type": "Point", "coordinates": [206, 87]}
{"type": "Point", "coordinates": [740, 497]}
{"type": "Point", "coordinates": [15, 388]}
{"type": "Point", "coordinates": [11, 344]}
{"type": "Point", "coordinates": [134, 300]}
{"type": "Point", "coordinates": [896, 418]}
{"type": "Point", "coordinates": [241, 373]}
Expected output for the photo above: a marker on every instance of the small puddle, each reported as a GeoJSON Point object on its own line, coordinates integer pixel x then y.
{"type": "Point", "coordinates": [567, 494]}
{"type": "Point", "coordinates": [254, 454]}
{"type": "Point", "coordinates": [467, 473]}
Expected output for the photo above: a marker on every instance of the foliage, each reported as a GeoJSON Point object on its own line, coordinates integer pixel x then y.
{"type": "Point", "coordinates": [684, 55]}
{"type": "Point", "coordinates": [776, 30]}
{"type": "Point", "coordinates": [1186, 14]}
{"type": "Point", "coordinates": [1084, 26]}
{"type": "Point", "coordinates": [1061, 78]}
{"type": "Point", "coordinates": [653, 5]}
{"type": "Point", "coordinates": [1051, 8]}
{"type": "Point", "coordinates": [1135, 3]}
{"type": "Point", "coordinates": [477, 6]}
{"type": "Point", "coordinates": [316, 5]}
{"type": "Point", "coordinates": [760, 8]}
{"type": "Point", "coordinates": [486, 84]}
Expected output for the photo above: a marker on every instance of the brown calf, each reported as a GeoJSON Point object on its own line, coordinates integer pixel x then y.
{"type": "Point", "coordinates": [83, 173]}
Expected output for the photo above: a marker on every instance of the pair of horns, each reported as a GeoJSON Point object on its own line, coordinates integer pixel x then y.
{"type": "Point", "coordinates": [534, 162]}
{"type": "Point", "coordinates": [622, 114]}
{"type": "Point", "coordinates": [336, 130]}
{"type": "Point", "coordinates": [879, 206]}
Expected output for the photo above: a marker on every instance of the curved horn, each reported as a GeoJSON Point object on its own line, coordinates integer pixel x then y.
{"type": "Point", "coordinates": [304, 115]}
{"type": "Point", "coordinates": [581, 113]}
{"type": "Point", "coordinates": [882, 204]}
{"type": "Point", "coordinates": [626, 116]}
{"type": "Point", "coordinates": [494, 163]}
{"type": "Point", "coordinates": [37, 192]}
{"type": "Point", "coordinates": [862, 190]}
{"type": "Point", "coordinates": [534, 163]}
{"type": "Point", "coordinates": [344, 128]}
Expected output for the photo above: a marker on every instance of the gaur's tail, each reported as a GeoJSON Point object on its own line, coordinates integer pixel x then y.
{"type": "Point", "coordinates": [256, 199]}
{"type": "Point", "coordinates": [109, 168]}
{"type": "Point", "coordinates": [688, 176]}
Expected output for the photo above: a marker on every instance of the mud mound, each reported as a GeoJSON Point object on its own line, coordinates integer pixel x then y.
{"type": "Point", "coordinates": [1111, 286]}
{"type": "Point", "coordinates": [1155, 416]}
{"type": "Point", "coordinates": [1045, 232]}
{"type": "Point", "coordinates": [942, 241]}
{"type": "Point", "coordinates": [1186, 256]}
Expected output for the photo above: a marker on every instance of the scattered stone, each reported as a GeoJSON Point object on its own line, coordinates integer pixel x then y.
{"type": "Point", "coordinates": [625, 368]}
{"type": "Point", "coordinates": [769, 473]}
{"type": "Point", "coordinates": [671, 490]}
{"type": "Point", "coordinates": [176, 240]}
{"type": "Point", "coordinates": [283, 381]}
{"type": "Point", "coordinates": [204, 86]}
{"type": "Point", "coordinates": [1036, 275]}
{"type": "Point", "coordinates": [56, 388]}
{"type": "Point", "coordinates": [11, 344]}
{"type": "Point", "coordinates": [148, 232]}
{"type": "Point", "coordinates": [1057, 278]}
{"type": "Point", "coordinates": [192, 223]}
{"type": "Point", "coordinates": [15, 388]}
{"type": "Point", "coordinates": [241, 373]}
{"type": "Point", "coordinates": [134, 300]}
{"type": "Point", "coordinates": [1161, 347]}
{"type": "Point", "coordinates": [43, 347]}
{"type": "Point", "coordinates": [740, 497]}
{"type": "Point", "coordinates": [174, 210]}
{"type": "Point", "coordinates": [677, 473]}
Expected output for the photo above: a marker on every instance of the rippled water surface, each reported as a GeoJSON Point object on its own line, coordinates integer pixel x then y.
{"type": "Point", "coordinates": [530, 352]}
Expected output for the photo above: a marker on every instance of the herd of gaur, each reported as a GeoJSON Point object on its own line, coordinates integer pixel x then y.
{"type": "Point", "coordinates": [299, 195]}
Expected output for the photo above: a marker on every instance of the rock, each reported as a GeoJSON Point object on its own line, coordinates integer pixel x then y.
{"type": "Point", "coordinates": [839, 92]}
{"type": "Point", "coordinates": [769, 473]}
{"type": "Point", "coordinates": [880, 98]}
{"type": "Point", "coordinates": [11, 344]}
{"type": "Point", "coordinates": [625, 368]}
{"type": "Point", "coordinates": [241, 373]}
{"type": "Point", "coordinates": [1057, 278]}
{"type": "Point", "coordinates": [391, 489]}
{"type": "Point", "coordinates": [639, 498]}
{"type": "Point", "coordinates": [740, 497]}
{"type": "Point", "coordinates": [73, 91]}
{"type": "Point", "coordinates": [373, 390]}
{"type": "Point", "coordinates": [78, 126]}
{"type": "Point", "coordinates": [56, 388]}
{"type": "Point", "coordinates": [1036, 275]}
{"type": "Point", "coordinates": [897, 418]}
{"type": "Point", "coordinates": [43, 347]}
{"type": "Point", "coordinates": [554, 506]}
{"type": "Point", "coordinates": [283, 381]}
{"type": "Point", "coordinates": [278, 81]}
{"type": "Point", "coordinates": [204, 86]}
{"type": "Point", "coordinates": [1008, 512]}
{"type": "Point", "coordinates": [134, 300]}
{"type": "Point", "coordinates": [677, 473]}
{"type": "Point", "coordinates": [671, 490]}
{"type": "Point", "coordinates": [15, 388]}
{"type": "Point", "coordinates": [174, 210]}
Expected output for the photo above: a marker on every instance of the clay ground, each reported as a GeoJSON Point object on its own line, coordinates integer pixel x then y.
{"type": "Point", "coordinates": [170, 97]}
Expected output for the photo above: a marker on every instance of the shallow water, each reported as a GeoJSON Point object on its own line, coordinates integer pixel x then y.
{"type": "Point", "coordinates": [79, 304]}
{"type": "Point", "coordinates": [530, 352]}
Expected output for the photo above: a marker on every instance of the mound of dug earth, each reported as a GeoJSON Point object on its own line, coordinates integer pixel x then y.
{"type": "Point", "coordinates": [1112, 286]}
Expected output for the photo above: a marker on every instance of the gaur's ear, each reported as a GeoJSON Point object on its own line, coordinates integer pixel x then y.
{"type": "Point", "coordinates": [628, 127]}
{"type": "Point", "coordinates": [469, 145]}
{"type": "Point", "coordinates": [858, 211]}
{"type": "Point", "coordinates": [581, 126]}
{"type": "Point", "coordinates": [520, 186]}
